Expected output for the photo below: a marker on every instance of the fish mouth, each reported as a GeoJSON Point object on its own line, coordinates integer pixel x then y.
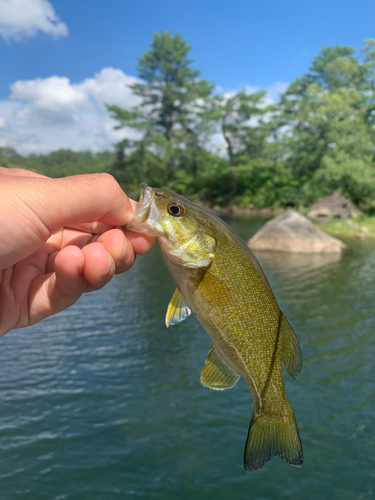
{"type": "Point", "coordinates": [144, 206]}
{"type": "Point", "coordinates": [143, 188]}
{"type": "Point", "coordinates": [142, 213]}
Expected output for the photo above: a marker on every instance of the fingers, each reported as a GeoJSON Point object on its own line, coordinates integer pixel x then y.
{"type": "Point", "coordinates": [120, 249]}
{"type": "Point", "coordinates": [99, 266]}
{"type": "Point", "coordinates": [78, 199]}
{"type": "Point", "coordinates": [124, 246]}
{"type": "Point", "coordinates": [69, 281]}
{"type": "Point", "coordinates": [140, 242]}
{"type": "Point", "coordinates": [75, 271]}
{"type": "Point", "coordinates": [53, 292]}
{"type": "Point", "coordinates": [83, 270]}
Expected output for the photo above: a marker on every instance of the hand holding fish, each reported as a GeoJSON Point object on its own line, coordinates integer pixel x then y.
{"type": "Point", "coordinates": [59, 240]}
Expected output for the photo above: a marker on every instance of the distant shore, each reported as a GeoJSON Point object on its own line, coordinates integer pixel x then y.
{"type": "Point", "coordinates": [355, 227]}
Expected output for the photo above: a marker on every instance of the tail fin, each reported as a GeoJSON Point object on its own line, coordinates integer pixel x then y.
{"type": "Point", "coordinates": [273, 435]}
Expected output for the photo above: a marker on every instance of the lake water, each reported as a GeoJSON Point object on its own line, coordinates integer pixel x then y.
{"type": "Point", "coordinates": [103, 402]}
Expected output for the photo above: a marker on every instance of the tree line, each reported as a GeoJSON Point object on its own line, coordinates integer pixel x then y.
{"type": "Point", "coordinates": [239, 147]}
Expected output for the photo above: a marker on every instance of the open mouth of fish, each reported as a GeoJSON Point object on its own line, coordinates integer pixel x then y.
{"type": "Point", "coordinates": [144, 205]}
{"type": "Point", "coordinates": [145, 196]}
{"type": "Point", "coordinates": [142, 214]}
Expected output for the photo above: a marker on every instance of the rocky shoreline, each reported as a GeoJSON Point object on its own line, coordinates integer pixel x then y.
{"type": "Point", "coordinates": [351, 227]}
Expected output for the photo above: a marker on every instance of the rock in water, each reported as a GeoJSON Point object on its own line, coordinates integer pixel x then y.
{"type": "Point", "coordinates": [292, 232]}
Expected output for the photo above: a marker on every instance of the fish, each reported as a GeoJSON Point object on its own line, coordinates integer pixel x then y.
{"type": "Point", "coordinates": [220, 280]}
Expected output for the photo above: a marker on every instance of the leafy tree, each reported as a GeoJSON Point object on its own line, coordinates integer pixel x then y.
{"type": "Point", "coordinates": [336, 67]}
{"type": "Point", "coordinates": [168, 115]}
{"type": "Point", "coordinates": [10, 158]}
{"type": "Point", "coordinates": [233, 113]}
{"type": "Point", "coordinates": [324, 129]}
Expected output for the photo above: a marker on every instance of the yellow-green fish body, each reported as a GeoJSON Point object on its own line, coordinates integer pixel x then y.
{"type": "Point", "coordinates": [220, 280]}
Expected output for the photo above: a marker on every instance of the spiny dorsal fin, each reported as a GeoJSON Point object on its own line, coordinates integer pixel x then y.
{"type": "Point", "coordinates": [177, 310]}
{"type": "Point", "coordinates": [216, 374]}
{"type": "Point", "coordinates": [291, 357]}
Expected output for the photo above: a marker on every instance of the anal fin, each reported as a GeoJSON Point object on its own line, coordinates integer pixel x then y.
{"type": "Point", "coordinates": [178, 310]}
{"type": "Point", "coordinates": [216, 374]}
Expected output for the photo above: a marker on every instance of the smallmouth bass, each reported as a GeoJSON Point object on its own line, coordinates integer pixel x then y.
{"type": "Point", "coordinates": [220, 280]}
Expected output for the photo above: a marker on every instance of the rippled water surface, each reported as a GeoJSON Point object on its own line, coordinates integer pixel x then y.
{"type": "Point", "coordinates": [103, 402]}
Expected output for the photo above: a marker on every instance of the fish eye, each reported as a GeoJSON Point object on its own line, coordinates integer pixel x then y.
{"type": "Point", "coordinates": [176, 210]}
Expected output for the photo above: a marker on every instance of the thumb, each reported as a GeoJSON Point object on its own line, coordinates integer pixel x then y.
{"type": "Point", "coordinates": [76, 199]}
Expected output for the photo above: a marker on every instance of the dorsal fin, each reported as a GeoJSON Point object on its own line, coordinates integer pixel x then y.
{"type": "Point", "coordinates": [291, 351]}
{"type": "Point", "coordinates": [178, 310]}
{"type": "Point", "coordinates": [216, 374]}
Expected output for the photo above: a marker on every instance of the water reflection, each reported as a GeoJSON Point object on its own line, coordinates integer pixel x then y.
{"type": "Point", "coordinates": [295, 264]}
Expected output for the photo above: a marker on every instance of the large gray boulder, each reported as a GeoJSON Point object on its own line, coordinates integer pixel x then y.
{"type": "Point", "coordinates": [292, 232]}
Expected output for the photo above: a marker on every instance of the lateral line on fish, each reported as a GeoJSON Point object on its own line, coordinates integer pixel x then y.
{"type": "Point", "coordinates": [274, 354]}
{"type": "Point", "coordinates": [251, 378]}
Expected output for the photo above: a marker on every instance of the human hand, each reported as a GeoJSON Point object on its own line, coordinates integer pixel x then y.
{"type": "Point", "coordinates": [58, 239]}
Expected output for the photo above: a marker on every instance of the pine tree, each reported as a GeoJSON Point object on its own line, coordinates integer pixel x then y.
{"type": "Point", "coordinates": [170, 92]}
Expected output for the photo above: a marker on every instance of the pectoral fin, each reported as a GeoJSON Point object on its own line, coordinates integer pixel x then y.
{"type": "Point", "coordinates": [216, 374]}
{"type": "Point", "coordinates": [177, 310]}
{"type": "Point", "coordinates": [291, 351]}
{"type": "Point", "coordinates": [214, 290]}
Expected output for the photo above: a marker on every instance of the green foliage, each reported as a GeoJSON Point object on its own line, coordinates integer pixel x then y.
{"type": "Point", "coordinates": [232, 113]}
{"type": "Point", "coordinates": [169, 118]}
{"type": "Point", "coordinates": [326, 130]}
{"type": "Point", "coordinates": [59, 163]}
{"type": "Point", "coordinates": [170, 92]}
{"type": "Point", "coordinates": [335, 68]}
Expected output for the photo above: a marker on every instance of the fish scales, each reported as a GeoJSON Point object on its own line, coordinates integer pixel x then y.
{"type": "Point", "coordinates": [246, 294]}
{"type": "Point", "coordinates": [220, 280]}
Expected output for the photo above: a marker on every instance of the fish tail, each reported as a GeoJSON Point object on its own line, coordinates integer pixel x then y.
{"type": "Point", "coordinates": [273, 435]}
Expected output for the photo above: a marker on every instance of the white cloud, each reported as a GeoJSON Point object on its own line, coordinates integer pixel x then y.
{"type": "Point", "coordinates": [46, 114]}
{"type": "Point", "coordinates": [42, 115]}
{"type": "Point", "coordinates": [54, 95]}
{"type": "Point", "coordinates": [24, 18]}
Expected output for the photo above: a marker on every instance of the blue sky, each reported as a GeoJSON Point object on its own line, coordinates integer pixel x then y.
{"type": "Point", "coordinates": [62, 59]}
